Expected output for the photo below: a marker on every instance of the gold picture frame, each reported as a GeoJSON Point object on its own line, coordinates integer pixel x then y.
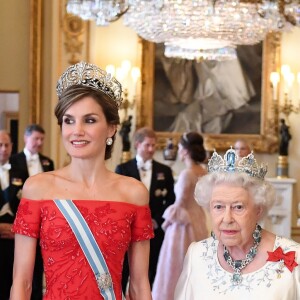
{"type": "Point", "coordinates": [266, 141]}
{"type": "Point", "coordinates": [35, 61]}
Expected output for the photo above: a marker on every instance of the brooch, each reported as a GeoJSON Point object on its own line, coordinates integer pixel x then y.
{"type": "Point", "coordinates": [104, 281]}
{"type": "Point", "coordinates": [286, 259]}
{"type": "Point", "coordinates": [160, 192]}
{"type": "Point", "coordinates": [45, 162]}
{"type": "Point", "coordinates": [160, 176]}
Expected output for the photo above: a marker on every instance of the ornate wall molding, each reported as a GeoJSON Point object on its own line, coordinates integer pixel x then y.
{"type": "Point", "coordinates": [35, 60]}
{"type": "Point", "coordinates": [73, 28]}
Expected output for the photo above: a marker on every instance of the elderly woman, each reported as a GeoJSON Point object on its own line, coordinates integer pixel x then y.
{"type": "Point", "coordinates": [241, 260]}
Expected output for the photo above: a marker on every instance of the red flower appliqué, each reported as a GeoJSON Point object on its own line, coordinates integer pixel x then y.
{"type": "Point", "coordinates": [288, 258]}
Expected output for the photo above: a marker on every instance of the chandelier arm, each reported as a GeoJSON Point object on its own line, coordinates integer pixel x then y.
{"type": "Point", "coordinates": [214, 5]}
{"type": "Point", "coordinates": [281, 7]}
{"type": "Point", "coordinates": [118, 16]}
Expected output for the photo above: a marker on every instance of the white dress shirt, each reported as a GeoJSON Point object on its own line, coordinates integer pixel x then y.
{"type": "Point", "coordinates": [4, 180]}
{"type": "Point", "coordinates": [33, 163]}
{"type": "Point", "coordinates": [145, 170]}
{"type": "Point", "coordinates": [4, 175]}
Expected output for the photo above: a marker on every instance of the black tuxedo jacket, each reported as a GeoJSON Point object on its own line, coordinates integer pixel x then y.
{"type": "Point", "coordinates": [161, 186]}
{"type": "Point", "coordinates": [11, 194]}
{"type": "Point", "coordinates": [161, 196]}
{"type": "Point", "coordinates": [19, 163]}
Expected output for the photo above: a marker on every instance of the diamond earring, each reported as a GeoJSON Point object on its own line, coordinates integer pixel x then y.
{"type": "Point", "coordinates": [109, 141]}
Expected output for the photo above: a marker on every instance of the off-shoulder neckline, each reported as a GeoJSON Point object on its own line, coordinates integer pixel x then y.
{"type": "Point", "coordinates": [88, 200]}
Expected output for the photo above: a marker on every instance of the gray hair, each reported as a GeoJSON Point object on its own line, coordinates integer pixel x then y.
{"type": "Point", "coordinates": [262, 192]}
{"type": "Point", "coordinates": [33, 127]}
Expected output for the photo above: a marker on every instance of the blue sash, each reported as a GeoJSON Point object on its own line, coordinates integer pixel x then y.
{"type": "Point", "coordinates": [89, 247]}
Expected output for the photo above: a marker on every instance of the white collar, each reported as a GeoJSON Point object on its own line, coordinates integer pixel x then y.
{"type": "Point", "coordinates": [29, 155]}
{"type": "Point", "coordinates": [6, 166]}
{"type": "Point", "coordinates": [141, 164]}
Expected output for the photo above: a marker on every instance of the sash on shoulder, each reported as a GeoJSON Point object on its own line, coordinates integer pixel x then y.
{"type": "Point", "coordinates": [89, 247]}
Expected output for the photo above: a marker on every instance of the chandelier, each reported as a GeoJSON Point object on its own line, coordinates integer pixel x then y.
{"type": "Point", "coordinates": [101, 11]}
{"type": "Point", "coordinates": [200, 48]}
{"type": "Point", "coordinates": [238, 22]}
{"type": "Point", "coordinates": [181, 24]}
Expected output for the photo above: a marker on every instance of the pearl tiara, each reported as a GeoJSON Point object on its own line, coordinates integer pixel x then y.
{"type": "Point", "coordinates": [230, 164]}
{"type": "Point", "coordinates": [92, 76]}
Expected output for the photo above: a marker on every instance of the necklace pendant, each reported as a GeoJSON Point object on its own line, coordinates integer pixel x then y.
{"type": "Point", "coordinates": [238, 265]}
{"type": "Point", "coordinates": [236, 278]}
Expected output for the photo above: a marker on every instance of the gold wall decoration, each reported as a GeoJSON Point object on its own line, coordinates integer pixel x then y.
{"type": "Point", "coordinates": [35, 61]}
{"type": "Point", "coordinates": [266, 140]}
{"type": "Point", "coordinates": [73, 27]}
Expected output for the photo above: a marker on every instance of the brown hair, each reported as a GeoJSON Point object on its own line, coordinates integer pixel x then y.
{"type": "Point", "coordinates": [76, 93]}
{"type": "Point", "coordinates": [193, 143]}
{"type": "Point", "coordinates": [142, 133]}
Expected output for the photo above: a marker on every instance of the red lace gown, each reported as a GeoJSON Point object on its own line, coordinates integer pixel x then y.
{"type": "Point", "coordinates": [68, 273]}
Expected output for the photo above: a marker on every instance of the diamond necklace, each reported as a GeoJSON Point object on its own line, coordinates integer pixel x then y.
{"type": "Point", "coordinates": [239, 265]}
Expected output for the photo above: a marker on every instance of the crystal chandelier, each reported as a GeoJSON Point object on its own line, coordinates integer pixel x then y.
{"type": "Point", "coordinates": [234, 21]}
{"type": "Point", "coordinates": [101, 11]}
{"type": "Point", "coordinates": [226, 53]}
{"type": "Point", "coordinates": [201, 48]}
{"type": "Point", "coordinates": [174, 22]}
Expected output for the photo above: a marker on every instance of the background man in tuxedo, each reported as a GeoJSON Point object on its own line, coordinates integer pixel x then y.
{"type": "Point", "coordinates": [242, 148]}
{"type": "Point", "coordinates": [11, 184]}
{"type": "Point", "coordinates": [31, 162]}
{"type": "Point", "coordinates": [159, 181]}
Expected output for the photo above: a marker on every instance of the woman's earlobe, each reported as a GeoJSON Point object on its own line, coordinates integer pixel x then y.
{"type": "Point", "coordinates": [259, 211]}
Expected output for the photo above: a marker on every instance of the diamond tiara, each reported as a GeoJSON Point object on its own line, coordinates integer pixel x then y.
{"type": "Point", "coordinates": [231, 164]}
{"type": "Point", "coordinates": [90, 75]}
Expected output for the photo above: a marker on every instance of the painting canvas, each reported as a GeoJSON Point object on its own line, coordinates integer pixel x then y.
{"type": "Point", "coordinates": [209, 96]}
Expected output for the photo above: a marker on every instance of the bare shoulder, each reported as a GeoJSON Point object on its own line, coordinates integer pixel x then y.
{"type": "Point", "coordinates": [196, 171]}
{"type": "Point", "coordinates": [132, 190]}
{"type": "Point", "coordinates": [186, 175]}
{"type": "Point", "coordinates": [36, 186]}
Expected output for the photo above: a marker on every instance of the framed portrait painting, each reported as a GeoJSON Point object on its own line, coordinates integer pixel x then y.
{"type": "Point", "coordinates": [223, 100]}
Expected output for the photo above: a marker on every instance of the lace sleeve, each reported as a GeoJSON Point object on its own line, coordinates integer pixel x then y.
{"type": "Point", "coordinates": [142, 228]}
{"type": "Point", "coordinates": [28, 218]}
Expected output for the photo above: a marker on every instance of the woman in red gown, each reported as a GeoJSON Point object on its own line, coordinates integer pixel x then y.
{"type": "Point", "coordinates": [114, 207]}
